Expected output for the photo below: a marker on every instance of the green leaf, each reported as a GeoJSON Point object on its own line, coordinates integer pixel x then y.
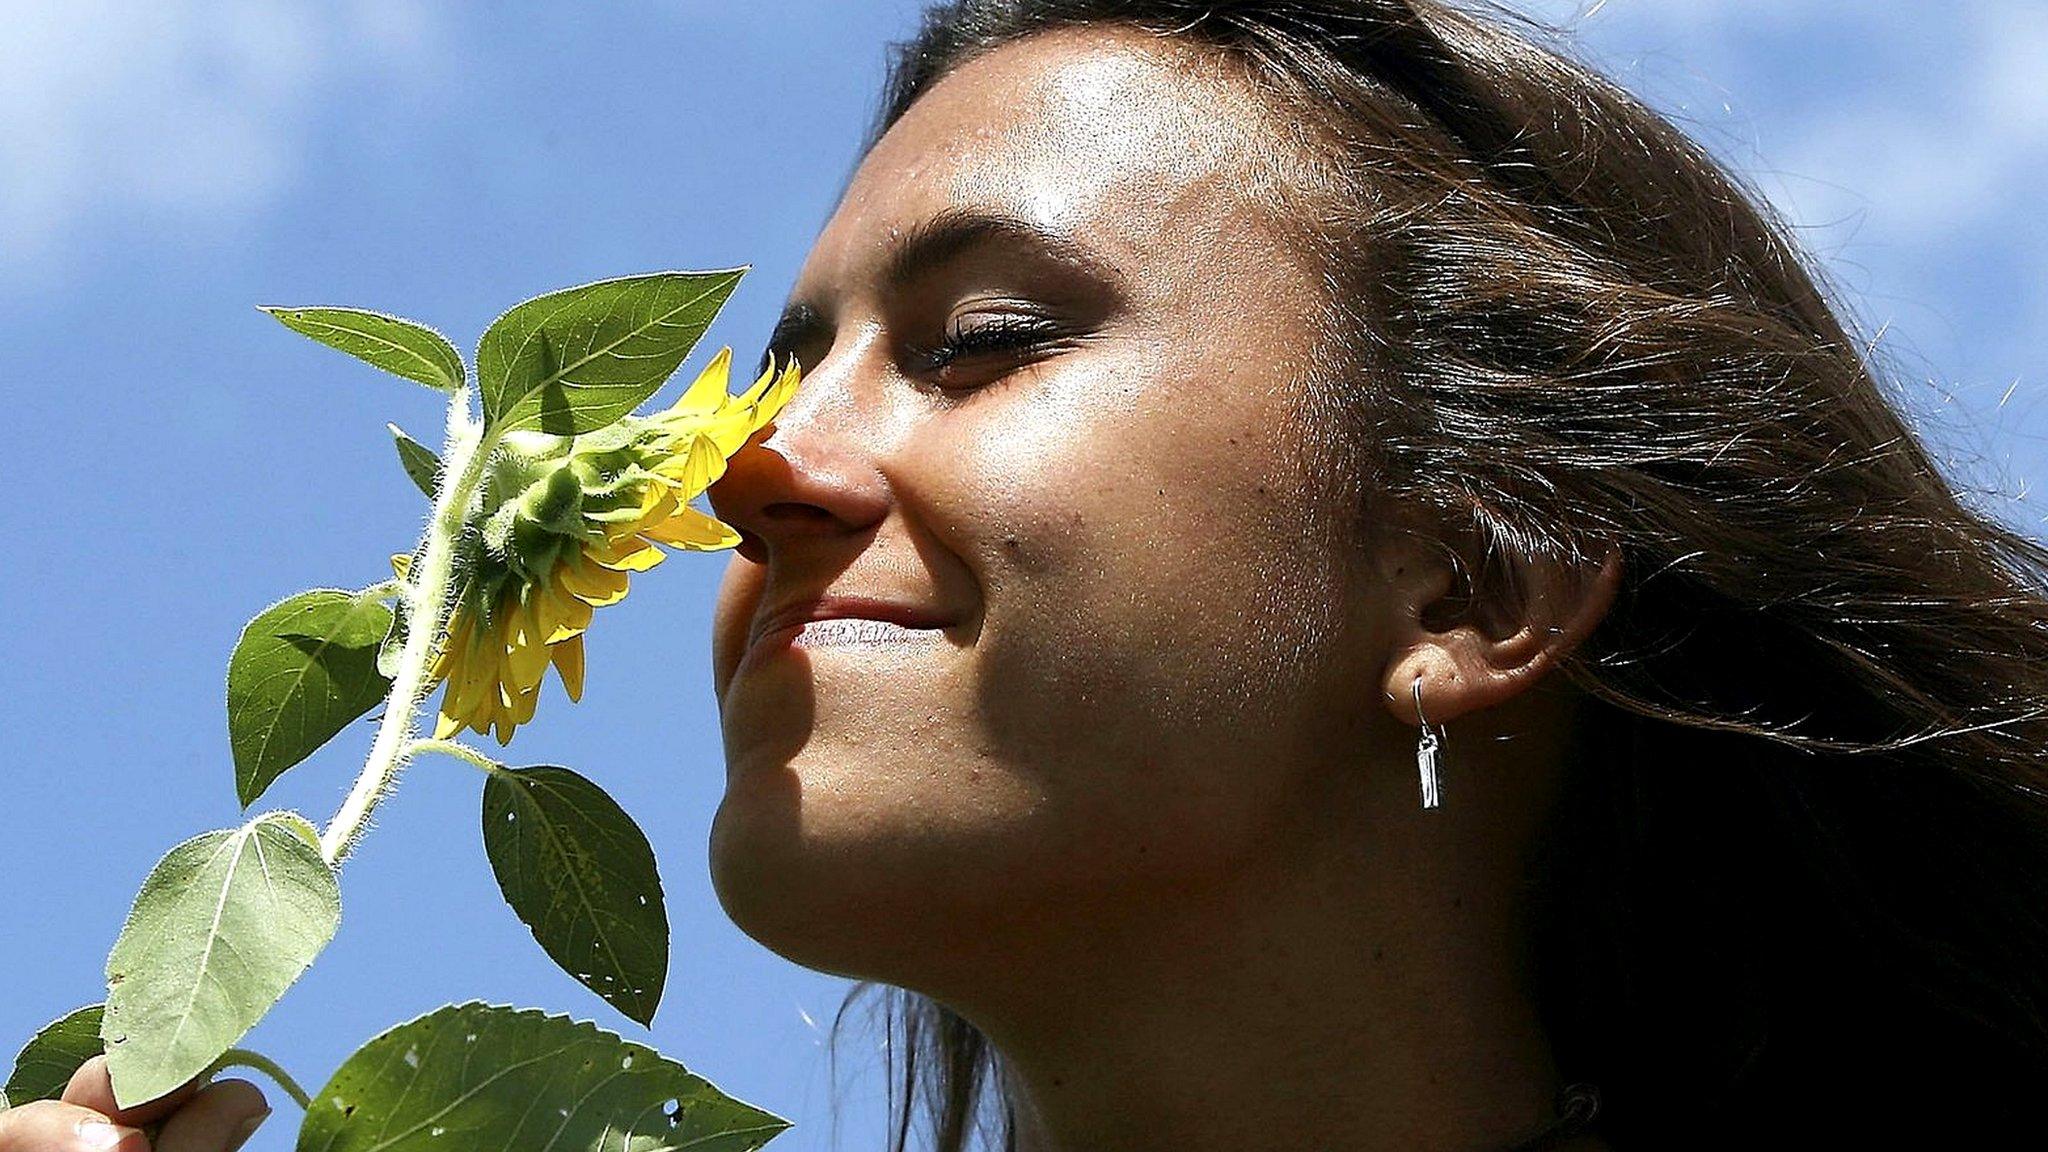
{"type": "Point", "coordinates": [419, 461]}
{"type": "Point", "coordinates": [581, 875]}
{"type": "Point", "coordinates": [49, 1058]}
{"type": "Point", "coordinates": [402, 347]}
{"type": "Point", "coordinates": [573, 361]}
{"type": "Point", "coordinates": [303, 669]}
{"type": "Point", "coordinates": [224, 924]}
{"type": "Point", "coordinates": [486, 1078]}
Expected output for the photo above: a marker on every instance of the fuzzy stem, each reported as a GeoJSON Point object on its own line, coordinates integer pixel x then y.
{"type": "Point", "coordinates": [427, 593]}
{"type": "Point", "coordinates": [244, 1058]}
{"type": "Point", "coordinates": [456, 749]}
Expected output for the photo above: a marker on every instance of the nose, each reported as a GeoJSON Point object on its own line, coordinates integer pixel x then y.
{"type": "Point", "coordinates": [813, 480]}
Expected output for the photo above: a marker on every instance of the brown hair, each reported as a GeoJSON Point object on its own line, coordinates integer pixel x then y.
{"type": "Point", "coordinates": [1799, 881]}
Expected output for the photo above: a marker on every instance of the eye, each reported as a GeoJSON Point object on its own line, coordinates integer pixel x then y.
{"type": "Point", "coordinates": [973, 335]}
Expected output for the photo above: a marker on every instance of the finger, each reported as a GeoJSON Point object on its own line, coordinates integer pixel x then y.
{"type": "Point", "coordinates": [91, 1087]}
{"type": "Point", "coordinates": [54, 1126]}
{"type": "Point", "coordinates": [219, 1118]}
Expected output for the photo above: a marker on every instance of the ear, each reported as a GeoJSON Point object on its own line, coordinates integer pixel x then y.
{"type": "Point", "coordinates": [1474, 652]}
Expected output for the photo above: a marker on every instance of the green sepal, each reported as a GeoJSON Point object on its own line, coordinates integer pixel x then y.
{"type": "Point", "coordinates": [420, 462]}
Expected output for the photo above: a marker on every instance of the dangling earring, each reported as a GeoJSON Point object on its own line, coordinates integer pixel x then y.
{"type": "Point", "coordinates": [1425, 753]}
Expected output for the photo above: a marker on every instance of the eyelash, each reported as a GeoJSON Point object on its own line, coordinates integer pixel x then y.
{"type": "Point", "coordinates": [1006, 333]}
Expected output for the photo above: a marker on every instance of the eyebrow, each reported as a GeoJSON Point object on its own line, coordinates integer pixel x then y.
{"type": "Point", "coordinates": [952, 232]}
{"type": "Point", "coordinates": [933, 242]}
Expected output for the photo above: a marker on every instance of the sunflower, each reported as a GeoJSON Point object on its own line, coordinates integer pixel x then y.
{"type": "Point", "coordinates": [565, 523]}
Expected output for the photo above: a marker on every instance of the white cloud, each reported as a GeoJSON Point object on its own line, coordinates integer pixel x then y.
{"type": "Point", "coordinates": [195, 108]}
{"type": "Point", "coordinates": [1954, 135]}
{"type": "Point", "coordinates": [2014, 82]}
{"type": "Point", "coordinates": [1674, 15]}
{"type": "Point", "coordinates": [1906, 143]}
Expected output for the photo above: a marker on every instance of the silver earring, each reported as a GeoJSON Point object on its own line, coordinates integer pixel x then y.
{"type": "Point", "coordinates": [1425, 753]}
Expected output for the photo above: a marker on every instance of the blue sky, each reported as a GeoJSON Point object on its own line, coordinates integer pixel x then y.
{"type": "Point", "coordinates": [165, 168]}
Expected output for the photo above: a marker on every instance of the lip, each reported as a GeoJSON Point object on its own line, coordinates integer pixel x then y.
{"type": "Point", "coordinates": [781, 625]}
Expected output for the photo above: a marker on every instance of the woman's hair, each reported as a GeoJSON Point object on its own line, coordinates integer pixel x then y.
{"type": "Point", "coordinates": [1798, 879]}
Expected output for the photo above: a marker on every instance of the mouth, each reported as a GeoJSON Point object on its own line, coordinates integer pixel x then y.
{"type": "Point", "coordinates": [838, 622]}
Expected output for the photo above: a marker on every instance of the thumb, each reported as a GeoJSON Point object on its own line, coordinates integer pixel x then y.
{"type": "Point", "coordinates": [91, 1087]}
{"type": "Point", "coordinates": [55, 1126]}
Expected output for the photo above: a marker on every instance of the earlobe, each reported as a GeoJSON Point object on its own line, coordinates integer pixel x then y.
{"type": "Point", "coordinates": [1466, 666]}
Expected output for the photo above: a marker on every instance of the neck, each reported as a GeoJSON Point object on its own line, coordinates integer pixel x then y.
{"type": "Point", "coordinates": [1357, 987]}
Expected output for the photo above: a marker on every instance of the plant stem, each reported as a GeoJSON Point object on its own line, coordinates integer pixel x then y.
{"type": "Point", "coordinates": [457, 750]}
{"type": "Point", "coordinates": [244, 1058]}
{"type": "Point", "coordinates": [427, 592]}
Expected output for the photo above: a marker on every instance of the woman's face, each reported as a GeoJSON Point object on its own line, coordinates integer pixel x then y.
{"type": "Point", "coordinates": [1122, 637]}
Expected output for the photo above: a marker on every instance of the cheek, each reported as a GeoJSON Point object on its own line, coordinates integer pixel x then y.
{"type": "Point", "coordinates": [739, 591]}
{"type": "Point", "coordinates": [1164, 617]}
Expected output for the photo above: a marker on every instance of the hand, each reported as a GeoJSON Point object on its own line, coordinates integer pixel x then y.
{"type": "Point", "coordinates": [212, 1117]}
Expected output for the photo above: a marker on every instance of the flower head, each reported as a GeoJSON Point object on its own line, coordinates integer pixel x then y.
{"type": "Point", "coordinates": [566, 521]}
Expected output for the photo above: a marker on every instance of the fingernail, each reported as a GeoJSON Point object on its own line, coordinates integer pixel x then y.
{"type": "Point", "coordinates": [247, 1130]}
{"type": "Point", "coordinates": [103, 1134]}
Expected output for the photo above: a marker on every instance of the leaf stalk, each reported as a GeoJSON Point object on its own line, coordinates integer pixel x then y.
{"type": "Point", "coordinates": [244, 1058]}
{"type": "Point", "coordinates": [458, 750]}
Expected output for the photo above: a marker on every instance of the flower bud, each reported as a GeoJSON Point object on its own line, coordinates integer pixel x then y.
{"type": "Point", "coordinates": [562, 523]}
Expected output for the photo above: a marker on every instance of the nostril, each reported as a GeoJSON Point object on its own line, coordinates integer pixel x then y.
{"type": "Point", "coordinates": [750, 546]}
{"type": "Point", "coordinates": [797, 512]}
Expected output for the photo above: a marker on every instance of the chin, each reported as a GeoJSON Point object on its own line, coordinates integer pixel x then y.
{"type": "Point", "coordinates": [779, 891]}
{"type": "Point", "coordinates": [819, 859]}
{"type": "Point", "coordinates": [853, 857]}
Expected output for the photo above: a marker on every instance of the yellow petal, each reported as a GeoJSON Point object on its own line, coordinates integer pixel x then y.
{"type": "Point", "coordinates": [659, 503]}
{"type": "Point", "coordinates": [451, 716]}
{"type": "Point", "coordinates": [476, 670]}
{"type": "Point", "coordinates": [770, 405]}
{"type": "Point", "coordinates": [510, 710]}
{"type": "Point", "coordinates": [502, 724]}
{"type": "Point", "coordinates": [701, 466]}
{"type": "Point", "coordinates": [708, 393]}
{"type": "Point", "coordinates": [506, 717]}
{"type": "Point", "coordinates": [593, 584]}
{"type": "Point", "coordinates": [757, 389]}
{"type": "Point", "coordinates": [754, 410]}
{"type": "Point", "coordinates": [523, 705]}
{"type": "Point", "coordinates": [401, 563]}
{"type": "Point", "coordinates": [630, 555]}
{"type": "Point", "coordinates": [526, 654]}
{"type": "Point", "coordinates": [568, 656]}
{"type": "Point", "coordinates": [563, 615]}
{"type": "Point", "coordinates": [689, 528]}
{"type": "Point", "coordinates": [457, 641]}
{"type": "Point", "coordinates": [728, 433]}
{"type": "Point", "coordinates": [470, 692]}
